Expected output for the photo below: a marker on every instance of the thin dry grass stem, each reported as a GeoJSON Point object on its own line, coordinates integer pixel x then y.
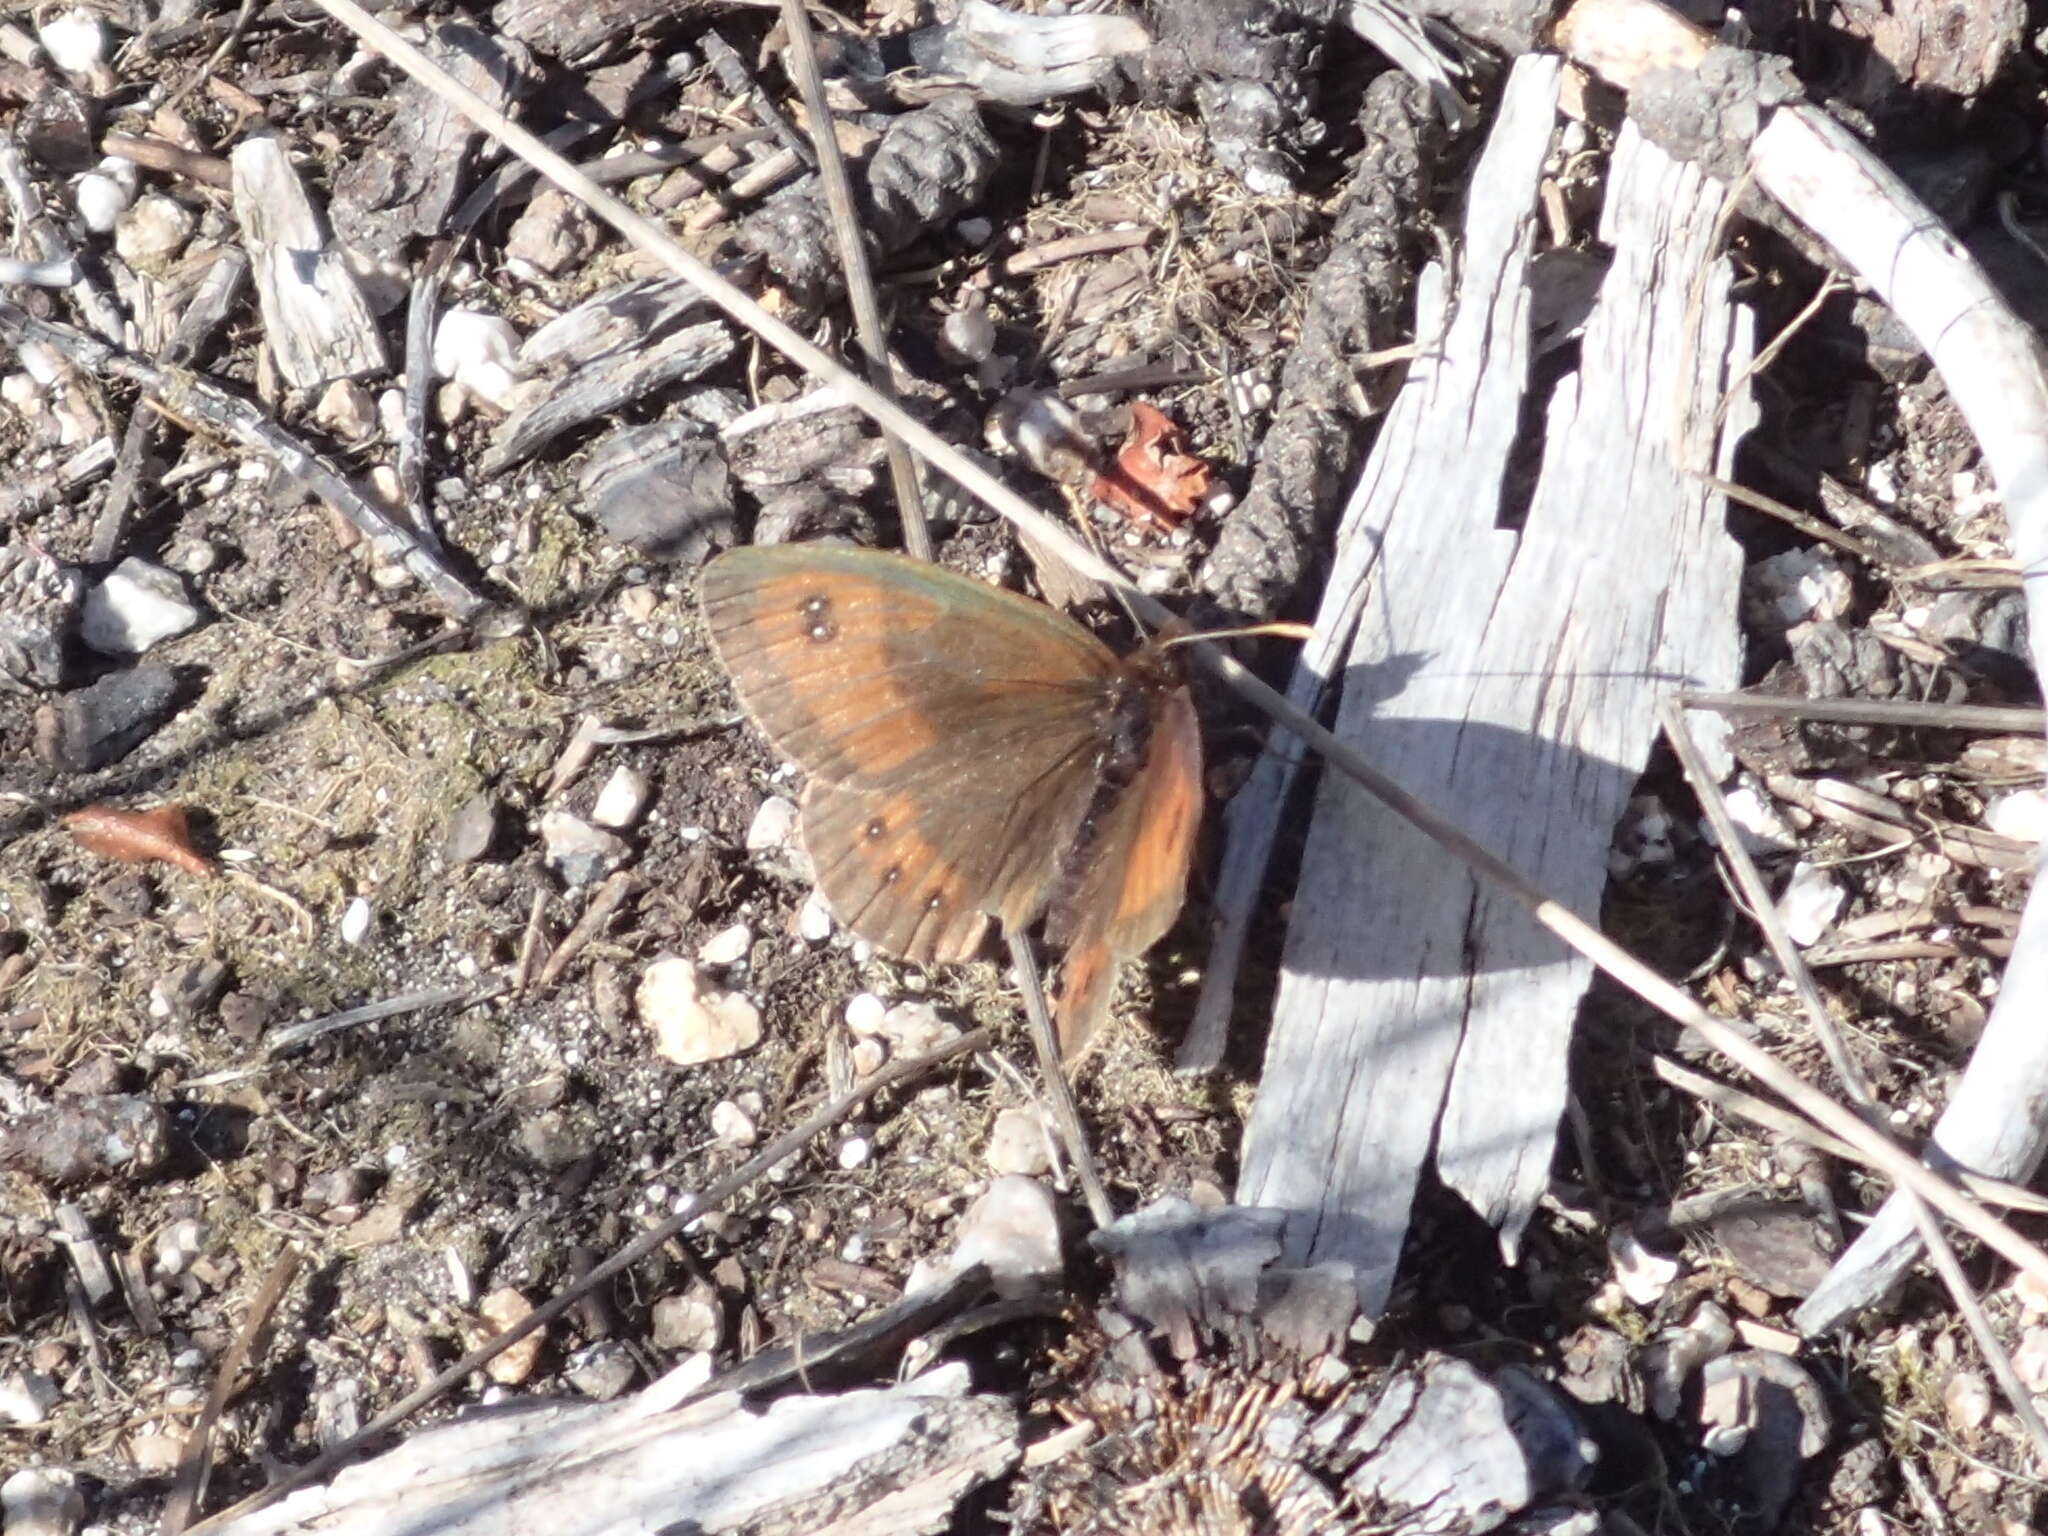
{"type": "Point", "coordinates": [1792, 517]}
{"type": "Point", "coordinates": [1571, 929]}
{"type": "Point", "coordinates": [1058, 1092]}
{"type": "Point", "coordinates": [1795, 1127]}
{"type": "Point", "coordinates": [788, 1144]}
{"type": "Point", "coordinates": [802, 57]}
{"type": "Point", "coordinates": [1854, 1083]}
{"type": "Point", "coordinates": [2018, 720]}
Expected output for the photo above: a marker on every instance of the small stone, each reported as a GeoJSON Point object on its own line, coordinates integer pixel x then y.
{"type": "Point", "coordinates": [179, 1244]}
{"type": "Point", "coordinates": [551, 1141]}
{"type": "Point", "coordinates": [865, 1012]}
{"type": "Point", "coordinates": [188, 991]}
{"type": "Point", "coordinates": [356, 919]}
{"type": "Point", "coordinates": [2031, 1292]}
{"type": "Point", "coordinates": [914, 1028]}
{"type": "Point", "coordinates": [1967, 1400]}
{"type": "Point", "coordinates": [854, 1152]}
{"type": "Point", "coordinates": [480, 354]}
{"type": "Point", "coordinates": [1644, 1276]}
{"type": "Point", "coordinates": [471, 830]}
{"type": "Point", "coordinates": [638, 604]}
{"type": "Point", "coordinates": [601, 1371]}
{"type": "Point", "coordinates": [76, 40]}
{"type": "Point", "coordinates": [733, 1126]}
{"type": "Point", "coordinates": [39, 602]}
{"type": "Point", "coordinates": [192, 556]}
{"type": "Point", "coordinates": [150, 235]}
{"type": "Point", "coordinates": [102, 723]}
{"type": "Point", "coordinates": [138, 606]}
{"type": "Point", "coordinates": [580, 853]}
{"type": "Point", "coordinates": [773, 829]}
{"type": "Point", "coordinates": [1016, 1144]}
{"type": "Point", "coordinates": [692, 1022]}
{"type": "Point", "coordinates": [867, 1057]}
{"type": "Point", "coordinates": [1813, 896]}
{"type": "Point", "coordinates": [814, 920]}
{"type": "Point", "coordinates": [2030, 1360]}
{"type": "Point", "coordinates": [1013, 1229]}
{"type": "Point", "coordinates": [690, 1322]}
{"type": "Point", "coordinates": [501, 1309]}
{"type": "Point", "coordinates": [2023, 815]}
{"type": "Point", "coordinates": [336, 1189]}
{"type": "Point", "coordinates": [622, 799]}
{"type": "Point", "coordinates": [26, 1398]}
{"type": "Point", "coordinates": [41, 1501]}
{"type": "Point", "coordinates": [346, 410]}
{"type": "Point", "coordinates": [728, 946]}
{"type": "Point", "coordinates": [154, 1455]}
{"type": "Point", "coordinates": [968, 335]}
{"type": "Point", "coordinates": [101, 197]}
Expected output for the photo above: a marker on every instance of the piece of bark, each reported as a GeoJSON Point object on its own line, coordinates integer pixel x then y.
{"type": "Point", "coordinates": [572, 29]}
{"type": "Point", "coordinates": [1417, 1010]}
{"type": "Point", "coordinates": [859, 1462]}
{"type": "Point", "coordinates": [1468, 1449]}
{"type": "Point", "coordinates": [39, 601]}
{"type": "Point", "coordinates": [1014, 57]}
{"type": "Point", "coordinates": [662, 489]}
{"type": "Point", "coordinates": [316, 322]}
{"type": "Point", "coordinates": [1358, 299]}
{"type": "Point", "coordinates": [403, 183]}
{"type": "Point", "coordinates": [608, 352]}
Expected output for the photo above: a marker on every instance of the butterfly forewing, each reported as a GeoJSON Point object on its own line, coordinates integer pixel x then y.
{"type": "Point", "coordinates": [869, 669]}
{"type": "Point", "coordinates": [952, 733]}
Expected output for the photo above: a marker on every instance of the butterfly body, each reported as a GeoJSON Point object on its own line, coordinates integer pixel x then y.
{"type": "Point", "coordinates": [973, 755]}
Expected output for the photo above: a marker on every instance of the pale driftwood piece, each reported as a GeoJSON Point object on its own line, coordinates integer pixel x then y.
{"type": "Point", "coordinates": [1992, 365]}
{"type": "Point", "coordinates": [316, 322]}
{"type": "Point", "coordinates": [860, 1462]}
{"type": "Point", "coordinates": [1516, 676]}
{"type": "Point", "coordinates": [605, 353]}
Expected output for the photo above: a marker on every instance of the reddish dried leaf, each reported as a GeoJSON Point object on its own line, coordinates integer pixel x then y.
{"type": "Point", "coordinates": [1154, 482]}
{"type": "Point", "coordinates": [139, 837]}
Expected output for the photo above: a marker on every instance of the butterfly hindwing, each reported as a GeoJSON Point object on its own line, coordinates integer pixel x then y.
{"type": "Point", "coordinates": [1135, 875]}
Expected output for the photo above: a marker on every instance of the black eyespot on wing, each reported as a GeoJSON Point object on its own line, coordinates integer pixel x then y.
{"type": "Point", "coordinates": [895, 874]}
{"type": "Point", "coordinates": [819, 625]}
{"type": "Point", "coordinates": [876, 830]}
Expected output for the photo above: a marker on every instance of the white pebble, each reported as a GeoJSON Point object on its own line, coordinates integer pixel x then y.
{"type": "Point", "coordinates": [1644, 1276]}
{"type": "Point", "coordinates": [76, 41]}
{"type": "Point", "coordinates": [691, 1021]}
{"type": "Point", "coordinates": [1013, 1229]}
{"type": "Point", "coordinates": [814, 920]}
{"type": "Point", "coordinates": [728, 946]}
{"type": "Point", "coordinates": [479, 352]}
{"type": "Point", "coordinates": [868, 1057]}
{"type": "Point", "coordinates": [138, 606]}
{"type": "Point", "coordinates": [101, 200]}
{"type": "Point", "coordinates": [773, 827]}
{"type": "Point", "coordinates": [912, 1029]}
{"type": "Point", "coordinates": [1812, 898]}
{"type": "Point", "coordinates": [179, 1244]}
{"type": "Point", "coordinates": [581, 853]}
{"type": "Point", "coordinates": [733, 1126]}
{"type": "Point", "coordinates": [865, 1012]}
{"type": "Point", "coordinates": [26, 1398]}
{"type": "Point", "coordinates": [853, 1152]}
{"type": "Point", "coordinates": [1016, 1144]}
{"type": "Point", "coordinates": [355, 921]}
{"type": "Point", "coordinates": [622, 799]}
{"type": "Point", "coordinates": [2023, 814]}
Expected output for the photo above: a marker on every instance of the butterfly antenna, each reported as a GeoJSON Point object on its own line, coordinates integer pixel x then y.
{"type": "Point", "coordinates": [1284, 629]}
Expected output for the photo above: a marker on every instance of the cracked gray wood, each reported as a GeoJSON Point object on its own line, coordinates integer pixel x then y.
{"type": "Point", "coordinates": [1511, 676]}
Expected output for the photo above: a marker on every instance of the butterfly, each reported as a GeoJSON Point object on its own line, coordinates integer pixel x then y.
{"type": "Point", "coordinates": [972, 756]}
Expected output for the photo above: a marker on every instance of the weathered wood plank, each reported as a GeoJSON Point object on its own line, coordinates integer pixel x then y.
{"type": "Point", "coordinates": [1512, 677]}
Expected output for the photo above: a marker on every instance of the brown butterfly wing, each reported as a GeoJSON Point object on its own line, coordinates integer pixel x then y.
{"type": "Point", "coordinates": [1136, 873]}
{"type": "Point", "coordinates": [951, 731]}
